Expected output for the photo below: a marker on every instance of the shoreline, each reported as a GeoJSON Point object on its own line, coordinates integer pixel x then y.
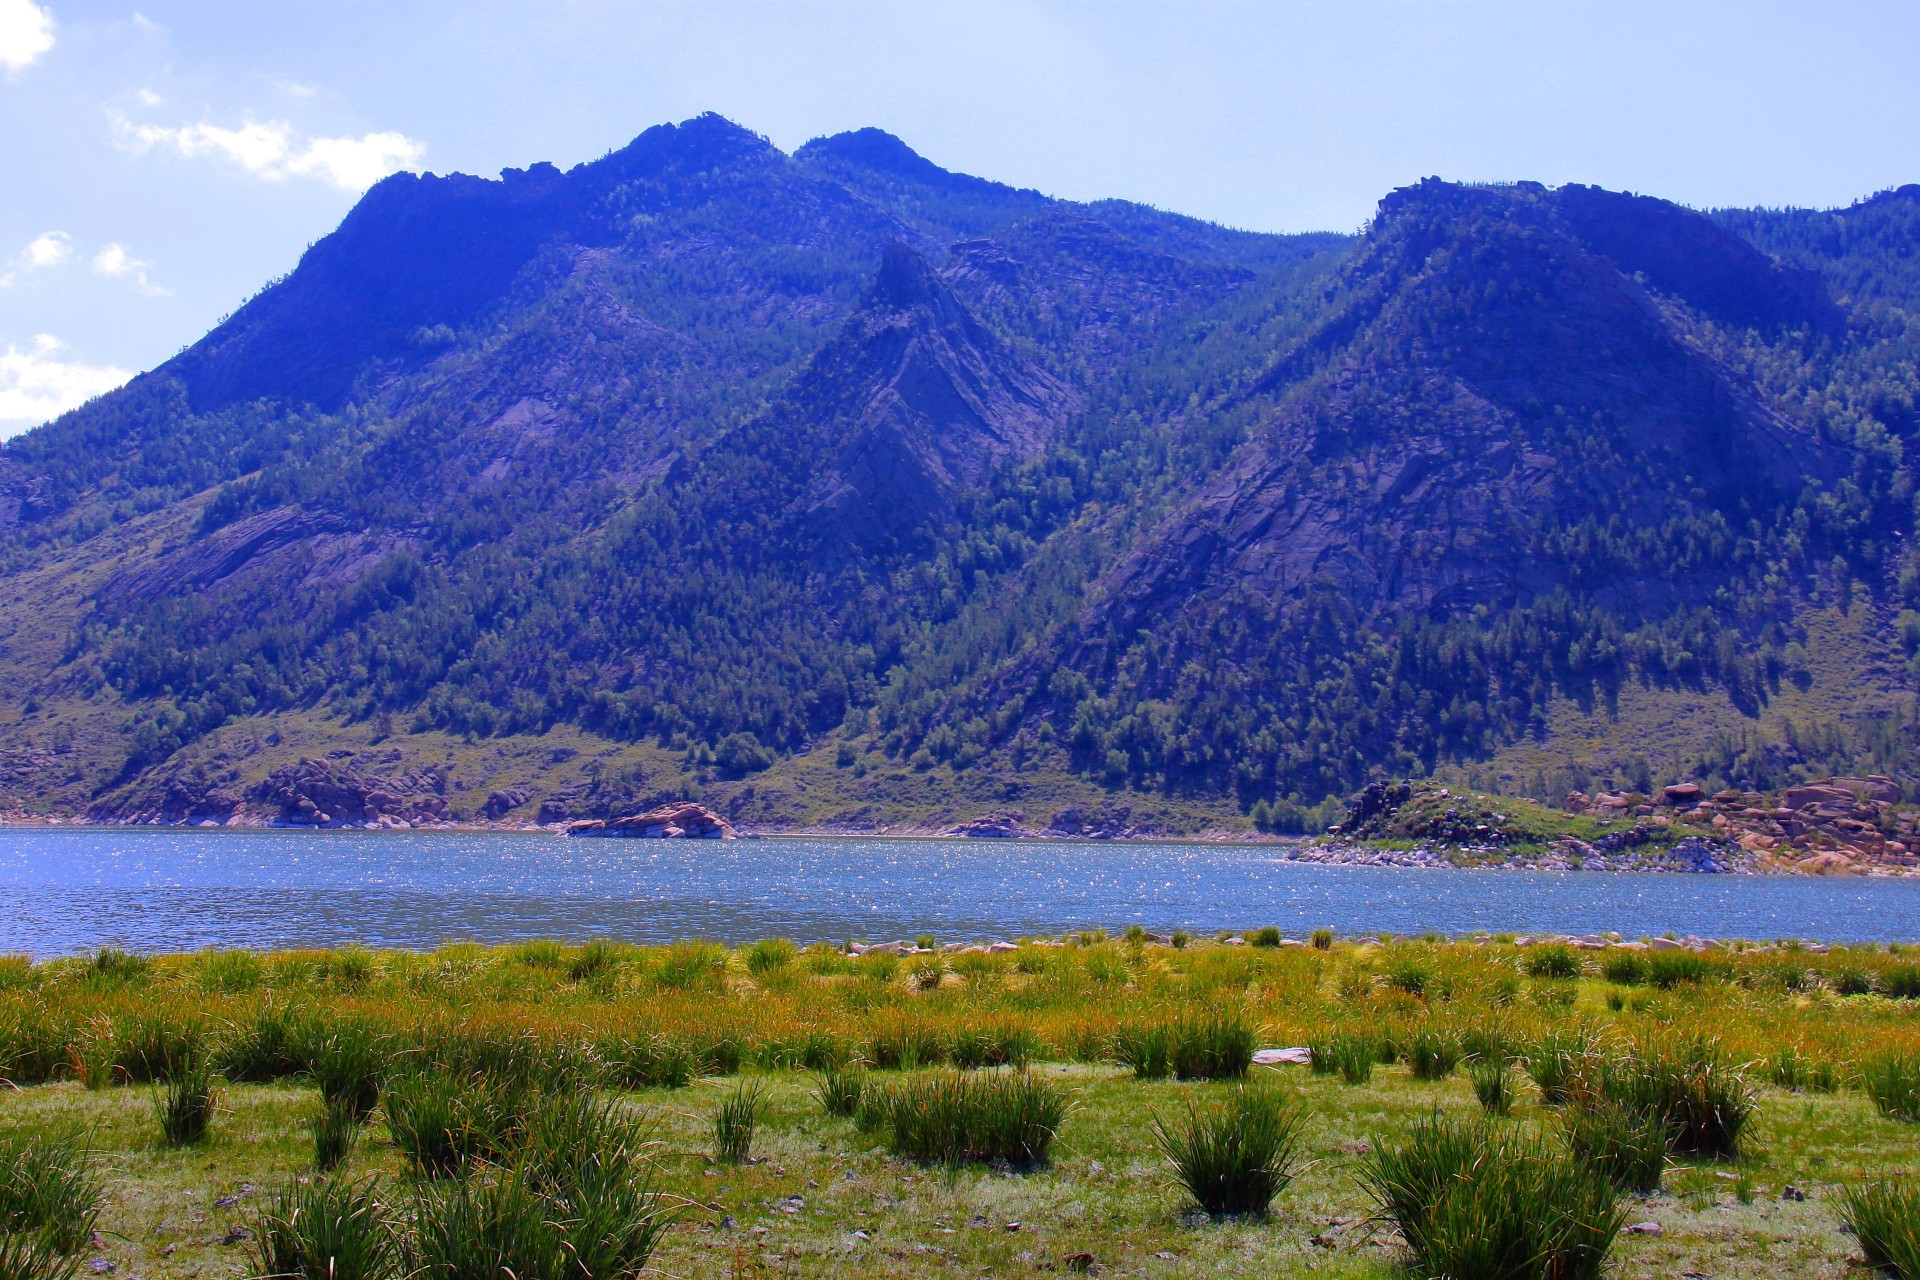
{"type": "Point", "coordinates": [1711, 859]}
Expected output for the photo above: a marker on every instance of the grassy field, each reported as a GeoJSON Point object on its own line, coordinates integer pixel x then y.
{"type": "Point", "coordinates": [458, 1071]}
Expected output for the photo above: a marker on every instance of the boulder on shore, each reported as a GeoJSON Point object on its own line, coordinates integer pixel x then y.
{"type": "Point", "coordinates": [682, 820]}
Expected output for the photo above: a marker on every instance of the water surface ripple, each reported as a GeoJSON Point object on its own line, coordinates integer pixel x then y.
{"type": "Point", "coordinates": [65, 890]}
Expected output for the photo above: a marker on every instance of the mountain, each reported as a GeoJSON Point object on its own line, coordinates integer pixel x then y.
{"type": "Point", "coordinates": [838, 488]}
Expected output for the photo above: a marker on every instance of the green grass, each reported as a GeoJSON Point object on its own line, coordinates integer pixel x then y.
{"type": "Point", "coordinates": [1885, 1216]}
{"type": "Point", "coordinates": [34, 1257]}
{"type": "Point", "coordinates": [1214, 1047]}
{"type": "Point", "coordinates": [493, 1019]}
{"type": "Point", "coordinates": [1624, 1144]}
{"type": "Point", "coordinates": [184, 1102]}
{"type": "Point", "coordinates": [1492, 1203]}
{"type": "Point", "coordinates": [1494, 1082]}
{"type": "Point", "coordinates": [734, 1121]}
{"type": "Point", "coordinates": [1233, 1156]}
{"type": "Point", "coordinates": [326, 1230]}
{"type": "Point", "coordinates": [48, 1189]}
{"type": "Point", "coordinates": [951, 1117]}
{"type": "Point", "coordinates": [1893, 1082]}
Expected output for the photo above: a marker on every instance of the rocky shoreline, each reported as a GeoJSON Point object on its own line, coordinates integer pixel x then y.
{"type": "Point", "coordinates": [1689, 857]}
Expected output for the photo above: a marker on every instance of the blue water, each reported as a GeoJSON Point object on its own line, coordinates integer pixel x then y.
{"type": "Point", "coordinates": [64, 890]}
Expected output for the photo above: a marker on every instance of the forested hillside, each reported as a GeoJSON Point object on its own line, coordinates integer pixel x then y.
{"type": "Point", "coordinates": [836, 488]}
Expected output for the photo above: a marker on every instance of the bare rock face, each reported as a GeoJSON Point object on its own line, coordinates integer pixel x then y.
{"type": "Point", "coordinates": [992, 826]}
{"type": "Point", "coordinates": [500, 803]}
{"type": "Point", "coordinates": [333, 793]}
{"type": "Point", "coordinates": [682, 820]}
{"type": "Point", "coordinates": [190, 798]}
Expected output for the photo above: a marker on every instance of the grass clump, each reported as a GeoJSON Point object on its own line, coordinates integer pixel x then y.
{"type": "Point", "coordinates": [335, 1130]}
{"type": "Point", "coordinates": [648, 1061]}
{"type": "Point", "coordinates": [1885, 1215]}
{"type": "Point", "coordinates": [840, 1091]}
{"type": "Point", "coordinates": [1216, 1047]}
{"type": "Point", "coordinates": [347, 1062]}
{"type": "Point", "coordinates": [1892, 1080]}
{"type": "Point", "coordinates": [325, 1230]}
{"type": "Point", "coordinates": [184, 1102]}
{"type": "Point", "coordinates": [1432, 1053]}
{"type": "Point", "coordinates": [1625, 1145]}
{"type": "Point", "coordinates": [48, 1190]}
{"type": "Point", "coordinates": [1669, 969]}
{"type": "Point", "coordinates": [33, 1257]}
{"type": "Point", "coordinates": [1235, 1156]}
{"type": "Point", "coordinates": [1558, 1062]}
{"type": "Point", "coordinates": [1493, 1080]}
{"type": "Point", "coordinates": [1901, 981]}
{"type": "Point", "coordinates": [444, 1125]}
{"type": "Point", "coordinates": [770, 955]}
{"type": "Point", "coordinates": [953, 1117]}
{"type": "Point", "coordinates": [1492, 1203]}
{"type": "Point", "coordinates": [1554, 960]}
{"type": "Point", "coordinates": [1147, 1049]}
{"type": "Point", "coordinates": [734, 1122]}
{"type": "Point", "coordinates": [1705, 1101]}
{"type": "Point", "coordinates": [1352, 1057]}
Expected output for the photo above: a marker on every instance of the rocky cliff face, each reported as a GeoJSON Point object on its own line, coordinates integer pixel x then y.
{"type": "Point", "coordinates": [1494, 381]}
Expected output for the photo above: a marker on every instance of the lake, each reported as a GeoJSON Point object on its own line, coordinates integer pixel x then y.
{"type": "Point", "coordinates": [64, 890]}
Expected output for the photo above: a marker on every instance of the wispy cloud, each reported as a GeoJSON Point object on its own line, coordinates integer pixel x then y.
{"type": "Point", "coordinates": [26, 32]}
{"type": "Point", "coordinates": [114, 260]}
{"type": "Point", "coordinates": [52, 249]}
{"type": "Point", "coordinates": [45, 380]}
{"type": "Point", "coordinates": [273, 150]}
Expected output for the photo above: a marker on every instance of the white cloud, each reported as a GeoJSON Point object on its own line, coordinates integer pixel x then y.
{"type": "Point", "coordinates": [354, 164]}
{"type": "Point", "coordinates": [26, 32]}
{"type": "Point", "coordinates": [114, 260]}
{"type": "Point", "coordinates": [149, 98]}
{"type": "Point", "coordinates": [275, 152]}
{"type": "Point", "coordinates": [45, 381]}
{"type": "Point", "coordinates": [50, 249]}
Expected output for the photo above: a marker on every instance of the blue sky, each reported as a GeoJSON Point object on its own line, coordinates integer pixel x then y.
{"type": "Point", "coordinates": [163, 162]}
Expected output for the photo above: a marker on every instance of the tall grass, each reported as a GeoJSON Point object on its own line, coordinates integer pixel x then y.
{"type": "Point", "coordinates": [1623, 1144]}
{"type": "Point", "coordinates": [1217, 1046]}
{"type": "Point", "coordinates": [1235, 1155]}
{"type": "Point", "coordinates": [184, 1102]}
{"type": "Point", "coordinates": [1554, 960]}
{"type": "Point", "coordinates": [335, 1130]}
{"type": "Point", "coordinates": [1892, 1080]}
{"type": "Point", "coordinates": [841, 1090]}
{"type": "Point", "coordinates": [47, 1188]}
{"type": "Point", "coordinates": [1885, 1216]}
{"type": "Point", "coordinates": [1705, 1100]}
{"type": "Point", "coordinates": [1147, 1049]}
{"type": "Point", "coordinates": [648, 1061]}
{"type": "Point", "coordinates": [326, 1229]}
{"type": "Point", "coordinates": [269, 1045]}
{"type": "Point", "coordinates": [1492, 1203]}
{"type": "Point", "coordinates": [33, 1257]}
{"type": "Point", "coordinates": [1432, 1053]}
{"type": "Point", "coordinates": [1558, 1061]}
{"type": "Point", "coordinates": [734, 1122]}
{"type": "Point", "coordinates": [1493, 1083]}
{"type": "Point", "coordinates": [952, 1117]}
{"type": "Point", "coordinates": [444, 1125]}
{"type": "Point", "coordinates": [347, 1061]}
{"type": "Point", "coordinates": [769, 955]}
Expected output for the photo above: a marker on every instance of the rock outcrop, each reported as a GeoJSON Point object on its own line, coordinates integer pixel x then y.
{"type": "Point", "coordinates": [683, 820]}
{"type": "Point", "coordinates": [333, 793]}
